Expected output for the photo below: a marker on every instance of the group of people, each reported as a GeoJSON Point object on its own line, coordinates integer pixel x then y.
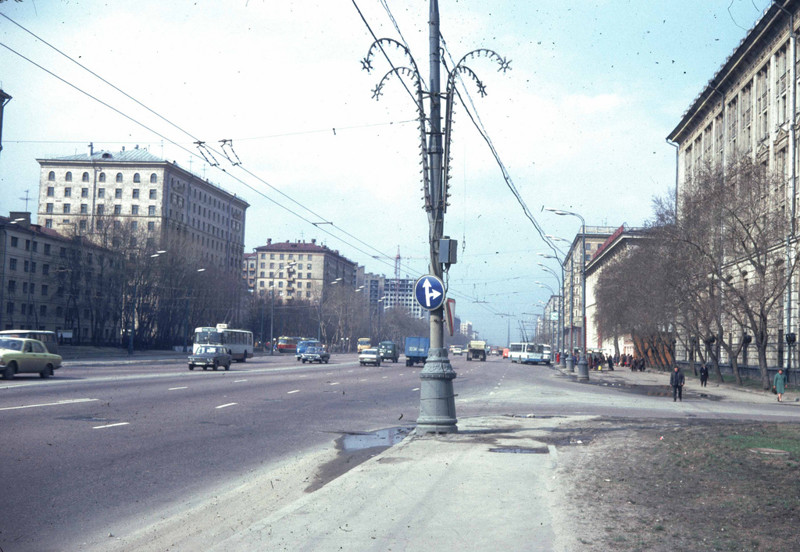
{"type": "Point", "coordinates": [677, 380]}
{"type": "Point", "coordinates": [599, 361]}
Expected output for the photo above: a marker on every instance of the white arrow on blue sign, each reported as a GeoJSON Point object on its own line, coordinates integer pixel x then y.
{"type": "Point", "coordinates": [429, 292]}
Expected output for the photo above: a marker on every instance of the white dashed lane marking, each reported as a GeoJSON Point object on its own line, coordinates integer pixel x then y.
{"type": "Point", "coordinates": [293, 391]}
{"type": "Point", "coordinates": [176, 388]}
{"type": "Point", "coordinates": [226, 405]}
{"type": "Point", "coordinates": [111, 425]}
{"type": "Point", "coordinates": [59, 403]}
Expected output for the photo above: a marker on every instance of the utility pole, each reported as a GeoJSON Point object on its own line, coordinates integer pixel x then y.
{"type": "Point", "coordinates": [437, 400]}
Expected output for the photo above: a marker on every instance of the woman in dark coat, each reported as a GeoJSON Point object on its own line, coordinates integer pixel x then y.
{"type": "Point", "coordinates": [779, 384]}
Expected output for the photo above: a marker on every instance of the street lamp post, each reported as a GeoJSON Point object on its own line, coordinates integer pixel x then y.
{"type": "Point", "coordinates": [563, 361]}
{"type": "Point", "coordinates": [583, 367]}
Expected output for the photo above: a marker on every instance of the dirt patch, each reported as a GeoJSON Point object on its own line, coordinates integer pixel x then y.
{"type": "Point", "coordinates": [694, 485]}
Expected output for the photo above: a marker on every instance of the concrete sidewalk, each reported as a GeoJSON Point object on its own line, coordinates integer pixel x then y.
{"type": "Point", "coordinates": [490, 486]}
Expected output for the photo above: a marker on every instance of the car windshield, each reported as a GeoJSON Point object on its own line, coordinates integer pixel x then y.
{"type": "Point", "coordinates": [370, 352]}
{"type": "Point", "coordinates": [13, 344]}
{"type": "Point", "coordinates": [208, 350]}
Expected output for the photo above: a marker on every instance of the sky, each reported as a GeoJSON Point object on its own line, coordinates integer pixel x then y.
{"type": "Point", "coordinates": [579, 121]}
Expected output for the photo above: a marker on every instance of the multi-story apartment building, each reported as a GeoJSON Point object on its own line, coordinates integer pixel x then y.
{"type": "Point", "coordinates": [749, 109]}
{"type": "Point", "coordinates": [300, 270]}
{"type": "Point", "coordinates": [400, 294]}
{"type": "Point", "coordinates": [53, 282]}
{"type": "Point", "coordinates": [249, 270]}
{"type": "Point", "coordinates": [133, 198]}
{"type": "Point", "coordinates": [574, 262]}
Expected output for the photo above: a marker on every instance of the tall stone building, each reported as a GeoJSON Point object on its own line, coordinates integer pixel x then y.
{"type": "Point", "coordinates": [300, 270]}
{"type": "Point", "coordinates": [132, 198]}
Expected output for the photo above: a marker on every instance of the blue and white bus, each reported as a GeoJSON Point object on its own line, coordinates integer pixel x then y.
{"type": "Point", "coordinates": [239, 342]}
{"type": "Point", "coordinates": [529, 353]}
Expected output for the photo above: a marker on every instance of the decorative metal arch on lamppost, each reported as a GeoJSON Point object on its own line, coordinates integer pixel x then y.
{"type": "Point", "coordinates": [437, 399]}
{"type": "Point", "coordinates": [562, 361]}
{"type": "Point", "coordinates": [583, 367]}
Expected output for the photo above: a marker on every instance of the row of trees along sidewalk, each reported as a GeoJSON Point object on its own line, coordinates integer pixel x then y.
{"type": "Point", "coordinates": [714, 270]}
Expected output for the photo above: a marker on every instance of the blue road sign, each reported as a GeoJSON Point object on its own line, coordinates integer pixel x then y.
{"type": "Point", "coordinates": [429, 292]}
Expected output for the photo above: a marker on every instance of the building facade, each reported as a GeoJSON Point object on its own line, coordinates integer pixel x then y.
{"type": "Point", "coordinates": [62, 284]}
{"type": "Point", "coordinates": [749, 109]}
{"type": "Point", "coordinates": [300, 270]}
{"type": "Point", "coordinates": [134, 199]}
{"type": "Point", "coordinates": [400, 295]}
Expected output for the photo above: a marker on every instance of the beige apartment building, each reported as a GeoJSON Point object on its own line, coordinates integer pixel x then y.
{"type": "Point", "coordinates": [131, 198]}
{"type": "Point", "coordinates": [749, 108]}
{"type": "Point", "coordinates": [299, 270]}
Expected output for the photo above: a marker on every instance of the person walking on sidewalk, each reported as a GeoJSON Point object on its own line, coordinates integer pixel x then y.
{"type": "Point", "coordinates": [779, 384]}
{"type": "Point", "coordinates": [704, 375]}
{"type": "Point", "coordinates": [676, 380]}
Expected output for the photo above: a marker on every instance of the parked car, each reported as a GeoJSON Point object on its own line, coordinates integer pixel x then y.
{"type": "Point", "coordinates": [302, 346]}
{"type": "Point", "coordinates": [20, 356]}
{"type": "Point", "coordinates": [369, 356]}
{"type": "Point", "coordinates": [389, 351]}
{"type": "Point", "coordinates": [458, 351]}
{"type": "Point", "coordinates": [212, 356]}
{"type": "Point", "coordinates": [315, 354]}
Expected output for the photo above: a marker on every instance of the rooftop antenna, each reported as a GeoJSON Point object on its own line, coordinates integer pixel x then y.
{"type": "Point", "coordinates": [26, 199]}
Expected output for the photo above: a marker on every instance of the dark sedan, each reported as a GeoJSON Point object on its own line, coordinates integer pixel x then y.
{"type": "Point", "coordinates": [210, 356]}
{"type": "Point", "coordinates": [315, 354]}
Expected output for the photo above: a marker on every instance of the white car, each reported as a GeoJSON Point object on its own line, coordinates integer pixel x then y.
{"type": "Point", "coordinates": [369, 356]}
{"type": "Point", "coordinates": [458, 351]}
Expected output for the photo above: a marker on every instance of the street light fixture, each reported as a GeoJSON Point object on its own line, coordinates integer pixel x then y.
{"type": "Point", "coordinates": [583, 368]}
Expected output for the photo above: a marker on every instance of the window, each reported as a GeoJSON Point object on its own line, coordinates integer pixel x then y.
{"type": "Point", "coordinates": [100, 209]}
{"type": "Point", "coordinates": [45, 269]}
{"type": "Point", "coordinates": [68, 176]}
{"type": "Point", "coordinates": [118, 193]}
{"type": "Point", "coordinates": [48, 208]}
{"type": "Point", "coordinates": [14, 241]}
{"type": "Point", "coordinates": [101, 193]}
{"type": "Point", "coordinates": [42, 312]}
{"type": "Point", "coordinates": [84, 192]}
{"type": "Point", "coordinates": [67, 192]}
{"type": "Point", "coordinates": [153, 193]}
{"type": "Point", "coordinates": [44, 290]}
{"type": "Point", "coordinates": [85, 177]}
{"type": "Point", "coordinates": [119, 177]}
{"type": "Point", "coordinates": [117, 209]}
{"type": "Point", "coordinates": [51, 176]}
{"type": "Point", "coordinates": [48, 223]}
{"type": "Point", "coordinates": [135, 225]}
{"type": "Point", "coordinates": [136, 177]}
{"type": "Point", "coordinates": [134, 209]}
{"type": "Point", "coordinates": [151, 210]}
{"type": "Point", "coordinates": [84, 208]}
{"type": "Point", "coordinates": [82, 224]}
{"type": "Point", "coordinates": [151, 226]}
{"type": "Point", "coordinates": [47, 249]}
{"type": "Point", "coordinates": [135, 193]}
{"type": "Point", "coordinates": [51, 191]}
{"type": "Point", "coordinates": [65, 209]}
{"type": "Point", "coordinates": [12, 286]}
{"type": "Point", "coordinates": [9, 308]}
{"type": "Point", "coordinates": [102, 177]}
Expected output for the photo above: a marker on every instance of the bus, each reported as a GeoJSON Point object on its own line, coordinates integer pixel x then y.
{"type": "Point", "coordinates": [287, 344]}
{"type": "Point", "coordinates": [363, 343]}
{"type": "Point", "coordinates": [529, 353]}
{"type": "Point", "coordinates": [239, 342]}
{"type": "Point", "coordinates": [49, 339]}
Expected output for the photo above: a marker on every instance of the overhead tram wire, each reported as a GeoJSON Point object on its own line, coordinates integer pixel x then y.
{"type": "Point", "coordinates": [389, 258]}
{"type": "Point", "coordinates": [485, 135]}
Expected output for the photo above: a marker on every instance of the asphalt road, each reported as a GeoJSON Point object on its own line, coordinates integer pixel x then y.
{"type": "Point", "coordinates": [107, 441]}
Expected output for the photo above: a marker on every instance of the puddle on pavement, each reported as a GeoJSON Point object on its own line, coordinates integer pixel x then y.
{"type": "Point", "coordinates": [381, 438]}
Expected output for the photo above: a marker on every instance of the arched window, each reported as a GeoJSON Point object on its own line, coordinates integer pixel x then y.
{"type": "Point", "coordinates": [51, 176]}
{"type": "Point", "coordinates": [153, 178]}
{"type": "Point", "coordinates": [85, 177]}
{"type": "Point", "coordinates": [119, 177]}
{"type": "Point", "coordinates": [68, 176]}
{"type": "Point", "coordinates": [136, 177]}
{"type": "Point", "coordinates": [102, 177]}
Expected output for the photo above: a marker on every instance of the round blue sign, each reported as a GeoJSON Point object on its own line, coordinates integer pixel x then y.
{"type": "Point", "coordinates": [429, 292]}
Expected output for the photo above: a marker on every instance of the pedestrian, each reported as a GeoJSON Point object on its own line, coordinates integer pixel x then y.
{"type": "Point", "coordinates": [610, 360]}
{"type": "Point", "coordinates": [703, 375]}
{"type": "Point", "coordinates": [779, 384]}
{"type": "Point", "coordinates": [676, 380]}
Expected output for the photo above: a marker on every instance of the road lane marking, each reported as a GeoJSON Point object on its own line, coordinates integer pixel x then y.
{"type": "Point", "coordinates": [226, 405]}
{"type": "Point", "coordinates": [59, 403]}
{"type": "Point", "coordinates": [334, 383]}
{"type": "Point", "coordinates": [111, 425]}
{"type": "Point", "coordinates": [176, 388]}
{"type": "Point", "coordinates": [238, 381]}
{"type": "Point", "coordinates": [415, 389]}
{"type": "Point", "coordinates": [295, 391]}
{"type": "Point", "coordinates": [385, 377]}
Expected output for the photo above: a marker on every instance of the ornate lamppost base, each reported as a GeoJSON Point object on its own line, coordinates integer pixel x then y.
{"type": "Point", "coordinates": [437, 400]}
{"type": "Point", "coordinates": [583, 369]}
